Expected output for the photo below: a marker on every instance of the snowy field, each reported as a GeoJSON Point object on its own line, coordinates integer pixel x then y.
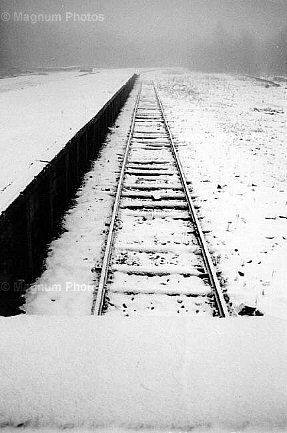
{"type": "Point", "coordinates": [172, 374]}
{"type": "Point", "coordinates": [40, 114]}
{"type": "Point", "coordinates": [231, 133]}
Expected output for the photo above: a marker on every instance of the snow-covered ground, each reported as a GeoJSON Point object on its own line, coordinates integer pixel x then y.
{"type": "Point", "coordinates": [40, 114]}
{"type": "Point", "coordinates": [159, 374]}
{"type": "Point", "coordinates": [163, 374]}
{"type": "Point", "coordinates": [231, 133]}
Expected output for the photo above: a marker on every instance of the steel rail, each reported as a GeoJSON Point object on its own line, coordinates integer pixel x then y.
{"type": "Point", "coordinates": [221, 303]}
{"type": "Point", "coordinates": [99, 293]}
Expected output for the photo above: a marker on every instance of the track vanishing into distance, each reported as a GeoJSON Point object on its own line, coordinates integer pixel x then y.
{"type": "Point", "coordinates": [156, 259]}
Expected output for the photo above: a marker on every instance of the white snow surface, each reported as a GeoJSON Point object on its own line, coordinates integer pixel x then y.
{"type": "Point", "coordinates": [155, 373]}
{"type": "Point", "coordinates": [163, 374]}
{"type": "Point", "coordinates": [40, 114]}
{"type": "Point", "coordinates": [231, 135]}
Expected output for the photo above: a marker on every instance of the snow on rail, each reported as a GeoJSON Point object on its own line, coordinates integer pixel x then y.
{"type": "Point", "coordinates": [40, 115]}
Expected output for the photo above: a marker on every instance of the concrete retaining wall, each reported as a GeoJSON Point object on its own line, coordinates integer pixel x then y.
{"type": "Point", "coordinates": [31, 221]}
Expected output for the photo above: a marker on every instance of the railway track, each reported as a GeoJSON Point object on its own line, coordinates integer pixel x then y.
{"type": "Point", "coordinates": [156, 259]}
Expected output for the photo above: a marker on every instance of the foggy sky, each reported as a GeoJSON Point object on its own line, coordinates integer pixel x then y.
{"type": "Point", "coordinates": [134, 32]}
